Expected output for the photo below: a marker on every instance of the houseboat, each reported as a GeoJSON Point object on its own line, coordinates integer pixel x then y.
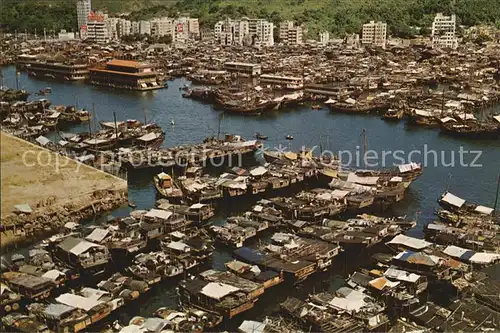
{"type": "Point", "coordinates": [30, 287]}
{"type": "Point", "coordinates": [82, 254]}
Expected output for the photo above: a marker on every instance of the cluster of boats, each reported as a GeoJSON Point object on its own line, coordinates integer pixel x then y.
{"type": "Point", "coordinates": [127, 134]}
{"type": "Point", "coordinates": [35, 118]}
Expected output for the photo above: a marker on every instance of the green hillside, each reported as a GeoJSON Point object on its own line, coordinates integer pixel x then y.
{"type": "Point", "coordinates": [336, 16]}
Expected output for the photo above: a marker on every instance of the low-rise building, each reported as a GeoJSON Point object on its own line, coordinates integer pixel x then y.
{"type": "Point", "coordinates": [244, 68]}
{"type": "Point", "coordinates": [64, 35]}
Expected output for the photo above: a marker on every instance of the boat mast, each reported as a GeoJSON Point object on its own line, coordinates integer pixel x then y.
{"type": "Point", "coordinates": [93, 115]}
{"type": "Point", "coordinates": [221, 116]}
{"type": "Point", "coordinates": [116, 128]}
{"type": "Point", "coordinates": [17, 79]}
{"type": "Point", "coordinates": [442, 101]}
{"type": "Point", "coordinates": [145, 120]}
{"type": "Point", "coordinates": [365, 146]}
{"type": "Point", "coordinates": [497, 195]}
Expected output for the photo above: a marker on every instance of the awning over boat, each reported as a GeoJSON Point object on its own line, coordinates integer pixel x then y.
{"type": "Point", "coordinates": [484, 210]}
{"type": "Point", "coordinates": [259, 171]}
{"type": "Point", "coordinates": [95, 141]}
{"type": "Point", "coordinates": [54, 115]}
{"type": "Point", "coordinates": [78, 302]}
{"type": "Point", "coordinates": [144, 85]}
{"type": "Point", "coordinates": [497, 118]}
{"type": "Point", "coordinates": [218, 290]}
{"type": "Point", "coordinates": [42, 140]}
{"type": "Point", "coordinates": [471, 256]}
{"type": "Point", "coordinates": [158, 213]}
{"type": "Point", "coordinates": [400, 275]}
{"type": "Point", "coordinates": [423, 113]}
{"type": "Point", "coordinates": [410, 242]}
{"type": "Point", "coordinates": [446, 119]}
{"type": "Point", "coordinates": [466, 116]}
{"type": "Point", "coordinates": [353, 178]}
{"type": "Point", "coordinates": [154, 84]}
{"type": "Point", "coordinates": [97, 235]}
{"type": "Point", "coordinates": [149, 137]}
{"type": "Point", "coordinates": [250, 326]}
{"type": "Point", "coordinates": [85, 158]}
{"type": "Point", "coordinates": [331, 101]}
{"type": "Point", "coordinates": [453, 200]}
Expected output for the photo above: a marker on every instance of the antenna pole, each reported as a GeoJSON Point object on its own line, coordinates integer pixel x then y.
{"type": "Point", "coordinates": [496, 198]}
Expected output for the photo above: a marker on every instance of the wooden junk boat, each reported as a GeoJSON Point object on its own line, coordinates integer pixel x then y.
{"type": "Point", "coordinates": [471, 129]}
{"type": "Point", "coordinates": [165, 186]}
{"type": "Point", "coordinates": [393, 114]}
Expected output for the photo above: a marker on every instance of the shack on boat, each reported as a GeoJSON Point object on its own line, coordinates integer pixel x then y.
{"type": "Point", "coordinates": [61, 317]}
{"type": "Point", "coordinates": [218, 297]}
{"type": "Point", "coordinates": [29, 286]}
{"type": "Point", "coordinates": [82, 254]}
{"type": "Point", "coordinates": [18, 322]}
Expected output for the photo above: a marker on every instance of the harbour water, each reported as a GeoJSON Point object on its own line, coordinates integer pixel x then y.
{"type": "Point", "coordinates": [194, 121]}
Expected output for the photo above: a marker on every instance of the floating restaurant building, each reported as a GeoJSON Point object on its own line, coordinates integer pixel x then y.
{"type": "Point", "coordinates": [53, 69]}
{"type": "Point", "coordinates": [125, 74]}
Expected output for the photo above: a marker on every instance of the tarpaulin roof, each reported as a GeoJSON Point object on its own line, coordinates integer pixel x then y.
{"type": "Point", "coordinates": [410, 242]}
{"type": "Point", "coordinates": [453, 200]}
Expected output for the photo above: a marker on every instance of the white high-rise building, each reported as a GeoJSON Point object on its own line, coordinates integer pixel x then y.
{"type": "Point", "coordinates": [194, 27]}
{"type": "Point", "coordinates": [112, 27]}
{"type": "Point", "coordinates": [83, 9]}
{"type": "Point", "coordinates": [257, 32]}
{"type": "Point", "coordinates": [374, 33]}
{"type": "Point", "coordinates": [144, 27]}
{"type": "Point", "coordinates": [97, 31]}
{"type": "Point", "coordinates": [124, 28]}
{"type": "Point", "coordinates": [135, 27]}
{"type": "Point", "coordinates": [161, 26]}
{"type": "Point", "coordinates": [324, 37]}
{"type": "Point", "coordinates": [444, 31]}
{"type": "Point", "coordinates": [290, 33]}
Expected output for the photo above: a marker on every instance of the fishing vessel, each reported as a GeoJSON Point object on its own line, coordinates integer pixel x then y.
{"type": "Point", "coordinates": [166, 188]}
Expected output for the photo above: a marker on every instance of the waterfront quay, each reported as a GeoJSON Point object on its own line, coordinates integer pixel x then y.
{"type": "Point", "coordinates": [267, 242]}
{"type": "Point", "coordinates": [43, 190]}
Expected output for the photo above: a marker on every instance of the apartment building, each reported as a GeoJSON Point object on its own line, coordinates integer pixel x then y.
{"type": "Point", "coordinates": [256, 32]}
{"type": "Point", "coordinates": [291, 34]}
{"type": "Point", "coordinates": [144, 27]}
{"type": "Point", "coordinates": [83, 9]}
{"type": "Point", "coordinates": [96, 29]}
{"type": "Point", "coordinates": [324, 37]}
{"type": "Point", "coordinates": [162, 26]}
{"type": "Point", "coordinates": [444, 32]}
{"type": "Point", "coordinates": [134, 27]}
{"type": "Point", "coordinates": [112, 27]}
{"type": "Point", "coordinates": [124, 28]}
{"type": "Point", "coordinates": [374, 33]}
